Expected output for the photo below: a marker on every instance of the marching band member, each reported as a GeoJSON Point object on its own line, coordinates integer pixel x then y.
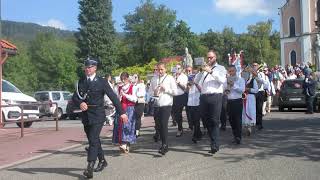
{"type": "Point", "coordinates": [181, 98]}
{"type": "Point", "coordinates": [260, 96]}
{"type": "Point", "coordinates": [163, 90]}
{"type": "Point", "coordinates": [234, 88]}
{"type": "Point", "coordinates": [211, 83]}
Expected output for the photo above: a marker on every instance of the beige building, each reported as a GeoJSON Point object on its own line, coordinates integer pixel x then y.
{"type": "Point", "coordinates": [298, 31]}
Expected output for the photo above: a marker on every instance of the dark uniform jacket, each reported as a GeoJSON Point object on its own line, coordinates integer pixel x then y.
{"type": "Point", "coordinates": [309, 87]}
{"type": "Point", "coordinates": [94, 92]}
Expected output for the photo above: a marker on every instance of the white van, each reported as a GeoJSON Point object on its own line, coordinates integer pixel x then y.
{"type": "Point", "coordinates": [51, 97]}
{"type": "Point", "coordinates": [12, 95]}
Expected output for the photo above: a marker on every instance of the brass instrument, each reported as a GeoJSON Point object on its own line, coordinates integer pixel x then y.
{"type": "Point", "coordinates": [230, 83]}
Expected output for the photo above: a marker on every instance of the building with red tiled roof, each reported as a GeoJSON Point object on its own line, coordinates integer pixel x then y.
{"type": "Point", "coordinates": [8, 47]}
{"type": "Point", "coordinates": [172, 59]}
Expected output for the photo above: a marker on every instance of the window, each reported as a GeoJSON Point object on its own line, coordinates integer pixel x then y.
{"type": "Point", "coordinates": [67, 96]}
{"type": "Point", "coordinates": [8, 87]}
{"type": "Point", "coordinates": [293, 58]}
{"type": "Point", "coordinates": [42, 96]}
{"type": "Point", "coordinates": [56, 96]}
{"type": "Point", "coordinates": [292, 27]}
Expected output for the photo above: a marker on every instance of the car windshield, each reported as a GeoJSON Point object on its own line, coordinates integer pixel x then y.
{"type": "Point", "coordinates": [44, 96]}
{"type": "Point", "coordinates": [293, 84]}
{"type": "Point", "coordinates": [8, 87]}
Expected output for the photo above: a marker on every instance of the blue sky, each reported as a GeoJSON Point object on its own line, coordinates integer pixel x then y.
{"type": "Point", "coordinates": [201, 15]}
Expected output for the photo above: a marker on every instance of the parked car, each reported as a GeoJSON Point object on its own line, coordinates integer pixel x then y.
{"type": "Point", "coordinates": [51, 97]}
{"type": "Point", "coordinates": [12, 95]}
{"type": "Point", "coordinates": [291, 95]}
{"type": "Point", "coordinates": [73, 111]}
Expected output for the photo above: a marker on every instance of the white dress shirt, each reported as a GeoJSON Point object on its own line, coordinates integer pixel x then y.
{"type": "Point", "coordinates": [170, 89]}
{"type": "Point", "coordinates": [262, 81]}
{"type": "Point", "coordinates": [212, 82]}
{"type": "Point", "coordinates": [237, 89]}
{"type": "Point", "coordinates": [181, 79]}
{"type": "Point", "coordinates": [194, 95]}
{"type": "Point", "coordinates": [141, 92]}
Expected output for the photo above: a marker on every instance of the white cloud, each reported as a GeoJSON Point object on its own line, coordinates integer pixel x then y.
{"type": "Point", "coordinates": [55, 23]}
{"type": "Point", "coordinates": [244, 7]}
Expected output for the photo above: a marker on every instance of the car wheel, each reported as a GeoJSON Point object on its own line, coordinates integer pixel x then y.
{"type": "Point", "coordinates": [3, 120]}
{"type": "Point", "coordinates": [25, 124]}
{"type": "Point", "coordinates": [281, 109]}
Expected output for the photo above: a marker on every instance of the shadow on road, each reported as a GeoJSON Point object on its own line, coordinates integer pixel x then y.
{"type": "Point", "coordinates": [71, 172]}
{"type": "Point", "coordinates": [282, 137]}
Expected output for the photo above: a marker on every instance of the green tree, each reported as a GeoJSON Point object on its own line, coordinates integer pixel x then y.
{"type": "Point", "coordinates": [55, 62]}
{"type": "Point", "coordinates": [182, 37]}
{"type": "Point", "coordinates": [96, 35]}
{"type": "Point", "coordinates": [20, 70]}
{"type": "Point", "coordinates": [148, 32]}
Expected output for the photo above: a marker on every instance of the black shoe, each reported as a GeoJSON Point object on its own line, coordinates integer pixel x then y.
{"type": "Point", "coordinates": [163, 150]}
{"type": "Point", "coordinates": [236, 141]}
{"type": "Point", "coordinates": [174, 124]}
{"type": "Point", "coordinates": [223, 128]}
{"type": "Point", "coordinates": [194, 140]}
{"type": "Point", "coordinates": [260, 127]}
{"type": "Point", "coordinates": [86, 148]}
{"type": "Point", "coordinates": [88, 173]}
{"type": "Point", "coordinates": [101, 165]}
{"type": "Point", "coordinates": [213, 150]}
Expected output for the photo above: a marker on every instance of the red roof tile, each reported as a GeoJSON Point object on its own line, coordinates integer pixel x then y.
{"type": "Point", "coordinates": [8, 47]}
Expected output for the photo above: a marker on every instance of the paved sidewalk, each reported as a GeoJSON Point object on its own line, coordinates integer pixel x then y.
{"type": "Point", "coordinates": [43, 141]}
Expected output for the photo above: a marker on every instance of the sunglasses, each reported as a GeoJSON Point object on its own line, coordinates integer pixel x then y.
{"type": "Point", "coordinates": [210, 57]}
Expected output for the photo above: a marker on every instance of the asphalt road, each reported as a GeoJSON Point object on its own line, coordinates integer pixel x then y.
{"type": "Point", "coordinates": [287, 149]}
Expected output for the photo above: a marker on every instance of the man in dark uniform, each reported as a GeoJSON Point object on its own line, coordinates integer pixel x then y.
{"type": "Point", "coordinates": [89, 97]}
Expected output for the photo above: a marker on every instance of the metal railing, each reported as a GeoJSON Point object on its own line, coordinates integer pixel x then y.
{"type": "Point", "coordinates": [24, 117]}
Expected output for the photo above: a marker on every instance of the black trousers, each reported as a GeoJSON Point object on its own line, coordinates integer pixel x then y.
{"type": "Point", "coordinates": [309, 102]}
{"type": "Point", "coordinates": [178, 103]}
{"type": "Point", "coordinates": [156, 119]}
{"type": "Point", "coordinates": [190, 121]}
{"type": "Point", "coordinates": [194, 113]}
{"type": "Point", "coordinates": [235, 107]}
{"type": "Point", "coordinates": [138, 110]}
{"type": "Point", "coordinates": [163, 114]}
{"type": "Point", "coordinates": [223, 115]}
{"type": "Point", "coordinates": [210, 109]}
{"type": "Point", "coordinates": [93, 134]}
{"type": "Point", "coordinates": [259, 105]}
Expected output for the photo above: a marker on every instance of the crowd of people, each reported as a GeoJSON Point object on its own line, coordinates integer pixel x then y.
{"type": "Point", "coordinates": [210, 93]}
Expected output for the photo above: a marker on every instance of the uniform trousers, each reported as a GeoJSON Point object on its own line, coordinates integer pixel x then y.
{"type": "Point", "coordinates": [138, 110]}
{"type": "Point", "coordinates": [235, 107]}
{"type": "Point", "coordinates": [259, 106]}
{"type": "Point", "coordinates": [178, 103]}
{"type": "Point", "coordinates": [93, 134]}
{"type": "Point", "coordinates": [163, 114]}
{"type": "Point", "coordinates": [210, 109]}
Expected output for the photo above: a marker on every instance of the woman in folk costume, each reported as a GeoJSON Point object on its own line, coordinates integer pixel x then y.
{"type": "Point", "coordinates": [124, 134]}
{"type": "Point", "coordinates": [249, 101]}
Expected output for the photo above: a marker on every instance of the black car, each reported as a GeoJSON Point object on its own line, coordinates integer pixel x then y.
{"type": "Point", "coordinates": [291, 95]}
{"type": "Point", "coordinates": [73, 111]}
